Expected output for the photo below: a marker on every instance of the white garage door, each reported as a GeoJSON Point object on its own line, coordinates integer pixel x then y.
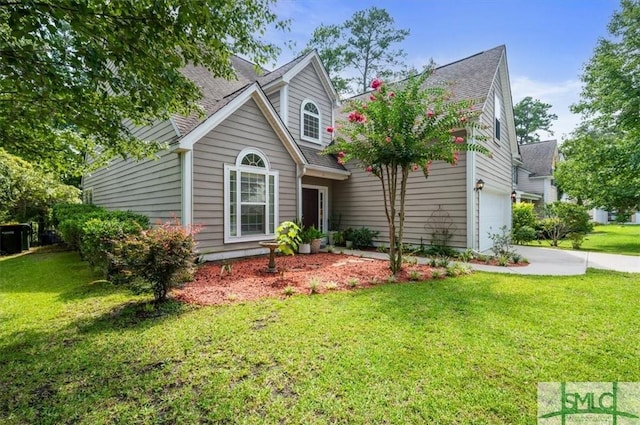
{"type": "Point", "coordinates": [495, 212]}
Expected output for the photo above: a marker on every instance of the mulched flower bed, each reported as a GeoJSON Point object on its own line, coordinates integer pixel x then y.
{"type": "Point", "coordinates": [249, 280]}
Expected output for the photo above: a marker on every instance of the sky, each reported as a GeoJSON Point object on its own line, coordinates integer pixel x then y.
{"type": "Point", "coordinates": [548, 41]}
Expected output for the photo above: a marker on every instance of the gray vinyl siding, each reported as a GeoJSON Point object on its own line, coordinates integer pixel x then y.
{"type": "Point", "coordinates": [274, 98]}
{"type": "Point", "coordinates": [151, 186]}
{"type": "Point", "coordinates": [496, 169]}
{"type": "Point", "coordinates": [528, 185]}
{"type": "Point", "coordinates": [359, 199]}
{"type": "Point", "coordinates": [306, 85]}
{"type": "Point", "coordinates": [246, 127]}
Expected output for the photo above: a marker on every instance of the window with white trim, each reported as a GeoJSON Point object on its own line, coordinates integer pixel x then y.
{"type": "Point", "coordinates": [310, 121]}
{"type": "Point", "coordinates": [251, 198]}
{"type": "Point", "coordinates": [87, 196]}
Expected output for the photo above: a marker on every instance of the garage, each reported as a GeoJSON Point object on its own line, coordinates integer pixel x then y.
{"type": "Point", "coordinates": [495, 212]}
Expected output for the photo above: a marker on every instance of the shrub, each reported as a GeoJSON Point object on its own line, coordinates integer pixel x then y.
{"type": "Point", "coordinates": [363, 237]}
{"type": "Point", "coordinates": [71, 226]}
{"type": "Point", "coordinates": [523, 234]}
{"type": "Point", "coordinates": [501, 243]}
{"type": "Point", "coordinates": [288, 235]}
{"type": "Point", "coordinates": [562, 218]}
{"type": "Point", "coordinates": [63, 212]}
{"type": "Point", "coordinates": [577, 239]}
{"type": "Point", "coordinates": [98, 236]}
{"type": "Point", "coordinates": [164, 256]}
{"type": "Point", "coordinates": [523, 215]}
{"type": "Point", "coordinates": [467, 255]}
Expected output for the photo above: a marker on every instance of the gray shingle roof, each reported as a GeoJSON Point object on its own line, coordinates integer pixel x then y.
{"type": "Point", "coordinates": [468, 78]}
{"type": "Point", "coordinates": [314, 157]}
{"type": "Point", "coordinates": [538, 158]}
{"type": "Point", "coordinates": [217, 92]}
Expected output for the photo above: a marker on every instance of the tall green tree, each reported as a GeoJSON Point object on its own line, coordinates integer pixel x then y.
{"type": "Point", "coordinates": [363, 46]}
{"type": "Point", "coordinates": [603, 158]}
{"type": "Point", "coordinates": [27, 193]}
{"type": "Point", "coordinates": [327, 40]}
{"type": "Point", "coordinates": [610, 97]}
{"type": "Point", "coordinates": [399, 131]}
{"type": "Point", "coordinates": [530, 116]}
{"type": "Point", "coordinates": [74, 70]}
{"type": "Point", "coordinates": [601, 169]}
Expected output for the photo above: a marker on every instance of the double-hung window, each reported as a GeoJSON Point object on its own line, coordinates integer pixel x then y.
{"type": "Point", "coordinates": [310, 121]}
{"type": "Point", "coordinates": [251, 198]}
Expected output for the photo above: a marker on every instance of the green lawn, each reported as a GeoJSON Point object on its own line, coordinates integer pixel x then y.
{"type": "Point", "coordinates": [464, 350]}
{"type": "Point", "coordinates": [612, 239]}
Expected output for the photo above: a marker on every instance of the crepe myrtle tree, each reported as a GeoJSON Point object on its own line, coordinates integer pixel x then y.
{"type": "Point", "coordinates": [401, 129]}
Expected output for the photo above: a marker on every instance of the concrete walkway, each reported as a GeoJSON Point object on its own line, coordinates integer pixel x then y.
{"type": "Point", "coordinates": [546, 261]}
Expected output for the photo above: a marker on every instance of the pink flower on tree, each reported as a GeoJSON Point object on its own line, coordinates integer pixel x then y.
{"type": "Point", "coordinates": [340, 161]}
{"type": "Point", "coordinates": [369, 169]}
{"type": "Point", "coordinates": [456, 156]}
{"type": "Point", "coordinates": [463, 119]}
{"type": "Point", "coordinates": [459, 140]}
{"type": "Point", "coordinates": [388, 139]}
{"type": "Point", "coordinates": [329, 129]}
{"type": "Point", "coordinates": [392, 94]}
{"type": "Point", "coordinates": [430, 114]}
{"type": "Point", "coordinates": [355, 116]}
{"type": "Point", "coordinates": [415, 167]}
{"type": "Point", "coordinates": [376, 84]}
{"type": "Point", "coordinates": [341, 154]}
{"type": "Point", "coordinates": [372, 98]}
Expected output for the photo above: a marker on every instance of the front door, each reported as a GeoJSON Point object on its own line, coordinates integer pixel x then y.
{"type": "Point", "coordinates": [310, 204]}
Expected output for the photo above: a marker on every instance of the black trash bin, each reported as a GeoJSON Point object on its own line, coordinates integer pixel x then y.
{"type": "Point", "coordinates": [11, 238]}
{"type": "Point", "coordinates": [26, 236]}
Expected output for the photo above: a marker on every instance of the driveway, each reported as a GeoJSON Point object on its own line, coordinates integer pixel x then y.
{"type": "Point", "coordinates": [557, 262]}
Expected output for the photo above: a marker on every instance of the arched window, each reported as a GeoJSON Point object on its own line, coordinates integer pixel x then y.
{"type": "Point", "coordinates": [310, 121]}
{"type": "Point", "coordinates": [251, 197]}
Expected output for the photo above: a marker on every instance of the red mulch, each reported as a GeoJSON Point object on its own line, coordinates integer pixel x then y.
{"type": "Point", "coordinates": [249, 279]}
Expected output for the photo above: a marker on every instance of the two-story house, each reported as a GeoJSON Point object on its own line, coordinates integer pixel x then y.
{"type": "Point", "coordinates": [253, 161]}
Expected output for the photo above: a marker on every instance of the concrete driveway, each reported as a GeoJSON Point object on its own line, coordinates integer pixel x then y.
{"type": "Point", "coordinates": [557, 262]}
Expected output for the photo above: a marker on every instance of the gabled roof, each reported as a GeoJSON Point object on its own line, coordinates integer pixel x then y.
{"type": "Point", "coordinates": [538, 158]}
{"type": "Point", "coordinates": [468, 78]}
{"type": "Point", "coordinates": [471, 77]}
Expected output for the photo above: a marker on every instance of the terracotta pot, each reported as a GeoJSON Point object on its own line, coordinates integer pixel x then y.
{"type": "Point", "coordinates": [315, 246]}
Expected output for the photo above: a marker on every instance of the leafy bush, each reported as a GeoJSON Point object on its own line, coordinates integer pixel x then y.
{"type": "Point", "coordinates": [98, 236]}
{"type": "Point", "coordinates": [288, 235]}
{"type": "Point", "coordinates": [523, 234]}
{"type": "Point", "coordinates": [63, 212]}
{"type": "Point", "coordinates": [562, 218]}
{"type": "Point", "coordinates": [363, 237]}
{"type": "Point", "coordinates": [501, 243]}
{"type": "Point", "coordinates": [164, 256]}
{"type": "Point", "coordinates": [577, 239]}
{"type": "Point", "coordinates": [524, 223]}
{"type": "Point", "coordinates": [71, 226]}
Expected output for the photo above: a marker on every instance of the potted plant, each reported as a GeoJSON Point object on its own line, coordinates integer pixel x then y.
{"type": "Point", "coordinates": [316, 239]}
{"type": "Point", "coordinates": [348, 238]}
{"type": "Point", "coordinates": [338, 238]}
{"type": "Point", "coordinates": [334, 226]}
{"type": "Point", "coordinates": [306, 237]}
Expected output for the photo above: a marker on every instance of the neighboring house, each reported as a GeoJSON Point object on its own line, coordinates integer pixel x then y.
{"type": "Point", "coordinates": [253, 161]}
{"type": "Point", "coordinates": [533, 173]}
{"type": "Point", "coordinates": [606, 217]}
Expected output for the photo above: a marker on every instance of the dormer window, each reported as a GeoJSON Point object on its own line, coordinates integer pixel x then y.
{"type": "Point", "coordinates": [310, 121]}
